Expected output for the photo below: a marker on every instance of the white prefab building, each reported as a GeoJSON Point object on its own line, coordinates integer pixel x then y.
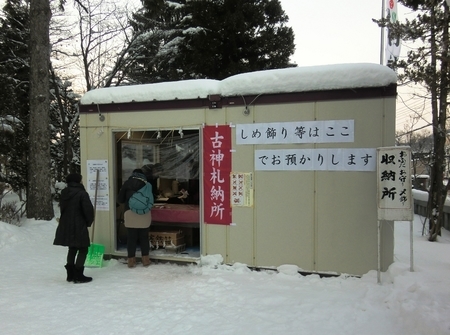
{"type": "Point", "coordinates": [264, 168]}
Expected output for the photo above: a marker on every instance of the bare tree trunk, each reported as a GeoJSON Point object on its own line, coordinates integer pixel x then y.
{"type": "Point", "coordinates": [434, 193]}
{"type": "Point", "coordinates": [442, 108]}
{"type": "Point", "coordinates": [39, 197]}
{"type": "Point", "coordinates": [438, 191]}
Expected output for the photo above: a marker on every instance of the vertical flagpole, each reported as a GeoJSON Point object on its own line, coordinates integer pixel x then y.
{"type": "Point", "coordinates": [382, 33]}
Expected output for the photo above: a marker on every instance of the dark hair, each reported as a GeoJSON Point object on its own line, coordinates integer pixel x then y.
{"type": "Point", "coordinates": [138, 171]}
{"type": "Point", "coordinates": [74, 178]}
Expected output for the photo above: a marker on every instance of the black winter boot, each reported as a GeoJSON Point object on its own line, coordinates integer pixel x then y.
{"type": "Point", "coordinates": [80, 277]}
{"type": "Point", "coordinates": [70, 272]}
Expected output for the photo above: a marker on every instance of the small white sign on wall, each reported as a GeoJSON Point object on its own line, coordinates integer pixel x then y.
{"type": "Point", "coordinates": [241, 189]}
{"type": "Point", "coordinates": [394, 193]}
{"type": "Point", "coordinates": [102, 184]}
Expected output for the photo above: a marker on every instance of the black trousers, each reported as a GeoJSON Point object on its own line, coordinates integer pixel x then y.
{"type": "Point", "coordinates": [79, 253]}
{"type": "Point", "coordinates": [136, 235]}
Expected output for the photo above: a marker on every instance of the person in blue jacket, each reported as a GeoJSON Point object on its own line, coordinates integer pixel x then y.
{"type": "Point", "coordinates": [77, 214]}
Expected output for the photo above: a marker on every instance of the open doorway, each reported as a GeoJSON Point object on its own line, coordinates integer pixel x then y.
{"type": "Point", "coordinates": [175, 228]}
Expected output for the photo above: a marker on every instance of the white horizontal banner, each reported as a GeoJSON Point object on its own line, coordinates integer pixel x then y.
{"type": "Point", "coordinates": [348, 159]}
{"type": "Point", "coordinates": [329, 131]}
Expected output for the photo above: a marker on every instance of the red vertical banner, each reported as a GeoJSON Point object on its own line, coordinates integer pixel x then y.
{"type": "Point", "coordinates": [217, 169]}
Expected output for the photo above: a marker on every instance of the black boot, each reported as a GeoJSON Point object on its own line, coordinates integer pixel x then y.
{"type": "Point", "coordinates": [70, 272]}
{"type": "Point", "coordinates": [80, 277]}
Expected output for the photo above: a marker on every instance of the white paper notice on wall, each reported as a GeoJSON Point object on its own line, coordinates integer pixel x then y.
{"type": "Point", "coordinates": [241, 189]}
{"type": "Point", "coordinates": [298, 132]}
{"type": "Point", "coordinates": [102, 201]}
{"type": "Point", "coordinates": [334, 159]}
{"type": "Point", "coordinates": [394, 193]}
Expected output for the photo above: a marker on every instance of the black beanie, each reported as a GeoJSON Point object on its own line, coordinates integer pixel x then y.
{"type": "Point", "coordinates": [73, 178]}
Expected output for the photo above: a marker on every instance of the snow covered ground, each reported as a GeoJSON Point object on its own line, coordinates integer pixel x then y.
{"type": "Point", "coordinates": [218, 299]}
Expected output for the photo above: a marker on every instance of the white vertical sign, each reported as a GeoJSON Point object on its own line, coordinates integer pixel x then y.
{"type": "Point", "coordinates": [392, 42]}
{"type": "Point", "coordinates": [102, 185]}
{"type": "Point", "coordinates": [394, 192]}
{"type": "Point", "coordinates": [241, 189]}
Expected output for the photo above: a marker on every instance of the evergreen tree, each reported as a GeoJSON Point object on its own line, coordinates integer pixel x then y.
{"type": "Point", "coordinates": [65, 132]}
{"type": "Point", "coordinates": [14, 93]}
{"type": "Point", "coordinates": [15, 107]}
{"type": "Point", "coordinates": [208, 39]}
{"type": "Point", "coordinates": [428, 65]}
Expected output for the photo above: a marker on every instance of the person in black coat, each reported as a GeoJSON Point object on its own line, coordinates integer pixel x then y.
{"type": "Point", "coordinates": [77, 214]}
{"type": "Point", "coordinates": [137, 225]}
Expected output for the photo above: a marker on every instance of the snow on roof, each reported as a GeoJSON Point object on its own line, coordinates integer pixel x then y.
{"type": "Point", "coordinates": [297, 79]}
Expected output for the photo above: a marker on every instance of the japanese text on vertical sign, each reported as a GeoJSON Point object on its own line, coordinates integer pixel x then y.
{"type": "Point", "coordinates": [394, 183]}
{"type": "Point", "coordinates": [241, 189]}
{"type": "Point", "coordinates": [217, 168]}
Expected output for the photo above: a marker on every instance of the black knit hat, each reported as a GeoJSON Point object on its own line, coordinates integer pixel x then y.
{"type": "Point", "coordinates": [74, 178]}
